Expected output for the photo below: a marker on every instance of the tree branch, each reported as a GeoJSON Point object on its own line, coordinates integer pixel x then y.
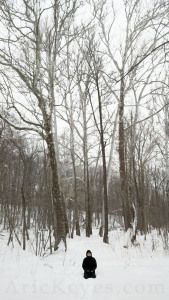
{"type": "Point", "coordinates": [22, 128]}
{"type": "Point", "coordinates": [141, 60]}
{"type": "Point", "coordinates": [140, 121]}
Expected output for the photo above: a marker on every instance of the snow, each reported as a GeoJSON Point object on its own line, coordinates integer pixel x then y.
{"type": "Point", "coordinates": [137, 272]}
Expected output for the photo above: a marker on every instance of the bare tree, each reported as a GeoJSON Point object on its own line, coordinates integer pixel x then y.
{"type": "Point", "coordinates": [137, 21]}
{"type": "Point", "coordinates": [95, 65]}
{"type": "Point", "coordinates": [32, 47]}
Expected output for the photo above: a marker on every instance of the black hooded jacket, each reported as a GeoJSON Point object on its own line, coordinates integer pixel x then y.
{"type": "Point", "coordinates": [89, 263]}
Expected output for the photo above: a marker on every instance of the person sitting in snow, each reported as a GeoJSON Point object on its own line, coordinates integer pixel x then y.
{"type": "Point", "coordinates": [89, 265]}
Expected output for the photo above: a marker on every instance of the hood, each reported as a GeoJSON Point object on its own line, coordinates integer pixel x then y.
{"type": "Point", "coordinates": [88, 251]}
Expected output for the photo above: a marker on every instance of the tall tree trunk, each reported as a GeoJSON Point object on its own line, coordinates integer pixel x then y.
{"type": "Point", "coordinates": [105, 236]}
{"type": "Point", "coordinates": [124, 192]}
{"type": "Point", "coordinates": [23, 218]}
{"type": "Point", "coordinates": [72, 145]}
{"type": "Point", "coordinates": [59, 170]}
{"type": "Point", "coordinates": [76, 212]}
{"type": "Point", "coordinates": [142, 204]}
{"type": "Point", "coordinates": [87, 195]}
{"type": "Point", "coordinates": [111, 151]}
{"type": "Point", "coordinates": [59, 221]}
{"type": "Point", "coordinates": [86, 171]}
{"type": "Point", "coordinates": [94, 189]}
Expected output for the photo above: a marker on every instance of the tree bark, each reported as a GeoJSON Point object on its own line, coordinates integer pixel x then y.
{"type": "Point", "coordinates": [105, 236]}
{"type": "Point", "coordinates": [59, 221]}
{"type": "Point", "coordinates": [86, 170]}
{"type": "Point", "coordinates": [124, 191]}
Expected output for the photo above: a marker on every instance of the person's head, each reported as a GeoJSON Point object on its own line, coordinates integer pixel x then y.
{"type": "Point", "coordinates": [88, 253]}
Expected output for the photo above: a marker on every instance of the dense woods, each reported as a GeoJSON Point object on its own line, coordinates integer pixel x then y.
{"type": "Point", "coordinates": [84, 119]}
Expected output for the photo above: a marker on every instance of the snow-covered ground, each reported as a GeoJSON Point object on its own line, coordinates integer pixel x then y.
{"type": "Point", "coordinates": [137, 272]}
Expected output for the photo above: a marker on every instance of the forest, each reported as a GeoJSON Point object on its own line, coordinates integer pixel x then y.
{"type": "Point", "coordinates": [84, 120]}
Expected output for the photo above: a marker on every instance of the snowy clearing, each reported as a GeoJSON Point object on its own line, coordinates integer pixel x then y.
{"type": "Point", "coordinates": [122, 273]}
